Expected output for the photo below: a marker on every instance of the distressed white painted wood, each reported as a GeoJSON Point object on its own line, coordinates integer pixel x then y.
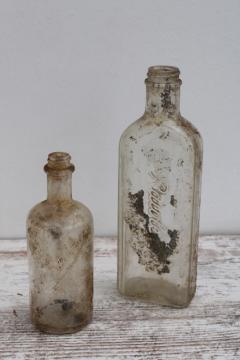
{"type": "Point", "coordinates": [125, 329]}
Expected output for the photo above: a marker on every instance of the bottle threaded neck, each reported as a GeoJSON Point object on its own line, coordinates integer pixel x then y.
{"type": "Point", "coordinates": [161, 74]}
{"type": "Point", "coordinates": [58, 161]}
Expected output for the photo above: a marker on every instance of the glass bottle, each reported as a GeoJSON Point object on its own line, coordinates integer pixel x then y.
{"type": "Point", "coordinates": [160, 160]}
{"type": "Point", "coordinates": [60, 251]}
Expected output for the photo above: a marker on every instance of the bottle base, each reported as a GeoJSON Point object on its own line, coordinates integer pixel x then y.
{"type": "Point", "coordinates": [161, 301]}
{"type": "Point", "coordinates": [48, 329]}
{"type": "Point", "coordinates": [157, 292]}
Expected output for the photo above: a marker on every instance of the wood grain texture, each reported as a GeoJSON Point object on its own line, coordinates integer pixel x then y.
{"type": "Point", "coordinates": [124, 329]}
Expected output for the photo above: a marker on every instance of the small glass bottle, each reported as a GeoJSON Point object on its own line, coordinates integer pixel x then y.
{"type": "Point", "coordinates": [60, 251]}
{"type": "Point", "coordinates": [160, 161]}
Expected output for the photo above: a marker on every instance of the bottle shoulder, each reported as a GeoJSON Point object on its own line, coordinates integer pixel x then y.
{"type": "Point", "coordinates": [146, 126]}
{"type": "Point", "coordinates": [83, 210]}
{"type": "Point", "coordinates": [189, 128]}
{"type": "Point", "coordinates": [192, 133]}
{"type": "Point", "coordinates": [131, 130]}
{"type": "Point", "coordinates": [64, 213]}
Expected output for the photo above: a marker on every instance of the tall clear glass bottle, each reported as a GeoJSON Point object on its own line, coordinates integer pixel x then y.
{"type": "Point", "coordinates": [160, 161]}
{"type": "Point", "coordinates": [60, 251]}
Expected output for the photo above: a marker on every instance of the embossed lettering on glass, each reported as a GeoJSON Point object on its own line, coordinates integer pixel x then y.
{"type": "Point", "coordinates": [160, 161]}
{"type": "Point", "coordinates": [60, 251]}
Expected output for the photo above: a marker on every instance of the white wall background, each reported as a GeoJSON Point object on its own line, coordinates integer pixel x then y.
{"type": "Point", "coordinates": [72, 78]}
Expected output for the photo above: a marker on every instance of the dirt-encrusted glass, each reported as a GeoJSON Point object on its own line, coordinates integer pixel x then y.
{"type": "Point", "coordinates": [60, 251]}
{"type": "Point", "coordinates": [160, 162]}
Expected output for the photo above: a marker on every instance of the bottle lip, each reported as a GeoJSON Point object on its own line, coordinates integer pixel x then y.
{"type": "Point", "coordinates": [58, 161]}
{"type": "Point", "coordinates": [163, 74]}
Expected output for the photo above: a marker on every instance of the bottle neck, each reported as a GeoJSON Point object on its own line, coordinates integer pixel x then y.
{"type": "Point", "coordinates": [59, 176]}
{"type": "Point", "coordinates": [59, 186]}
{"type": "Point", "coordinates": [163, 92]}
{"type": "Point", "coordinates": [163, 100]}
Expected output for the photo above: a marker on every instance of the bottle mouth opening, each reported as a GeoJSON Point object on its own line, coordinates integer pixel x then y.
{"type": "Point", "coordinates": [163, 73]}
{"type": "Point", "coordinates": [163, 70]}
{"type": "Point", "coordinates": [59, 160]}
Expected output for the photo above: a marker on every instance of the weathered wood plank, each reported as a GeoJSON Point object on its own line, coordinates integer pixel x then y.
{"type": "Point", "coordinates": [123, 329]}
